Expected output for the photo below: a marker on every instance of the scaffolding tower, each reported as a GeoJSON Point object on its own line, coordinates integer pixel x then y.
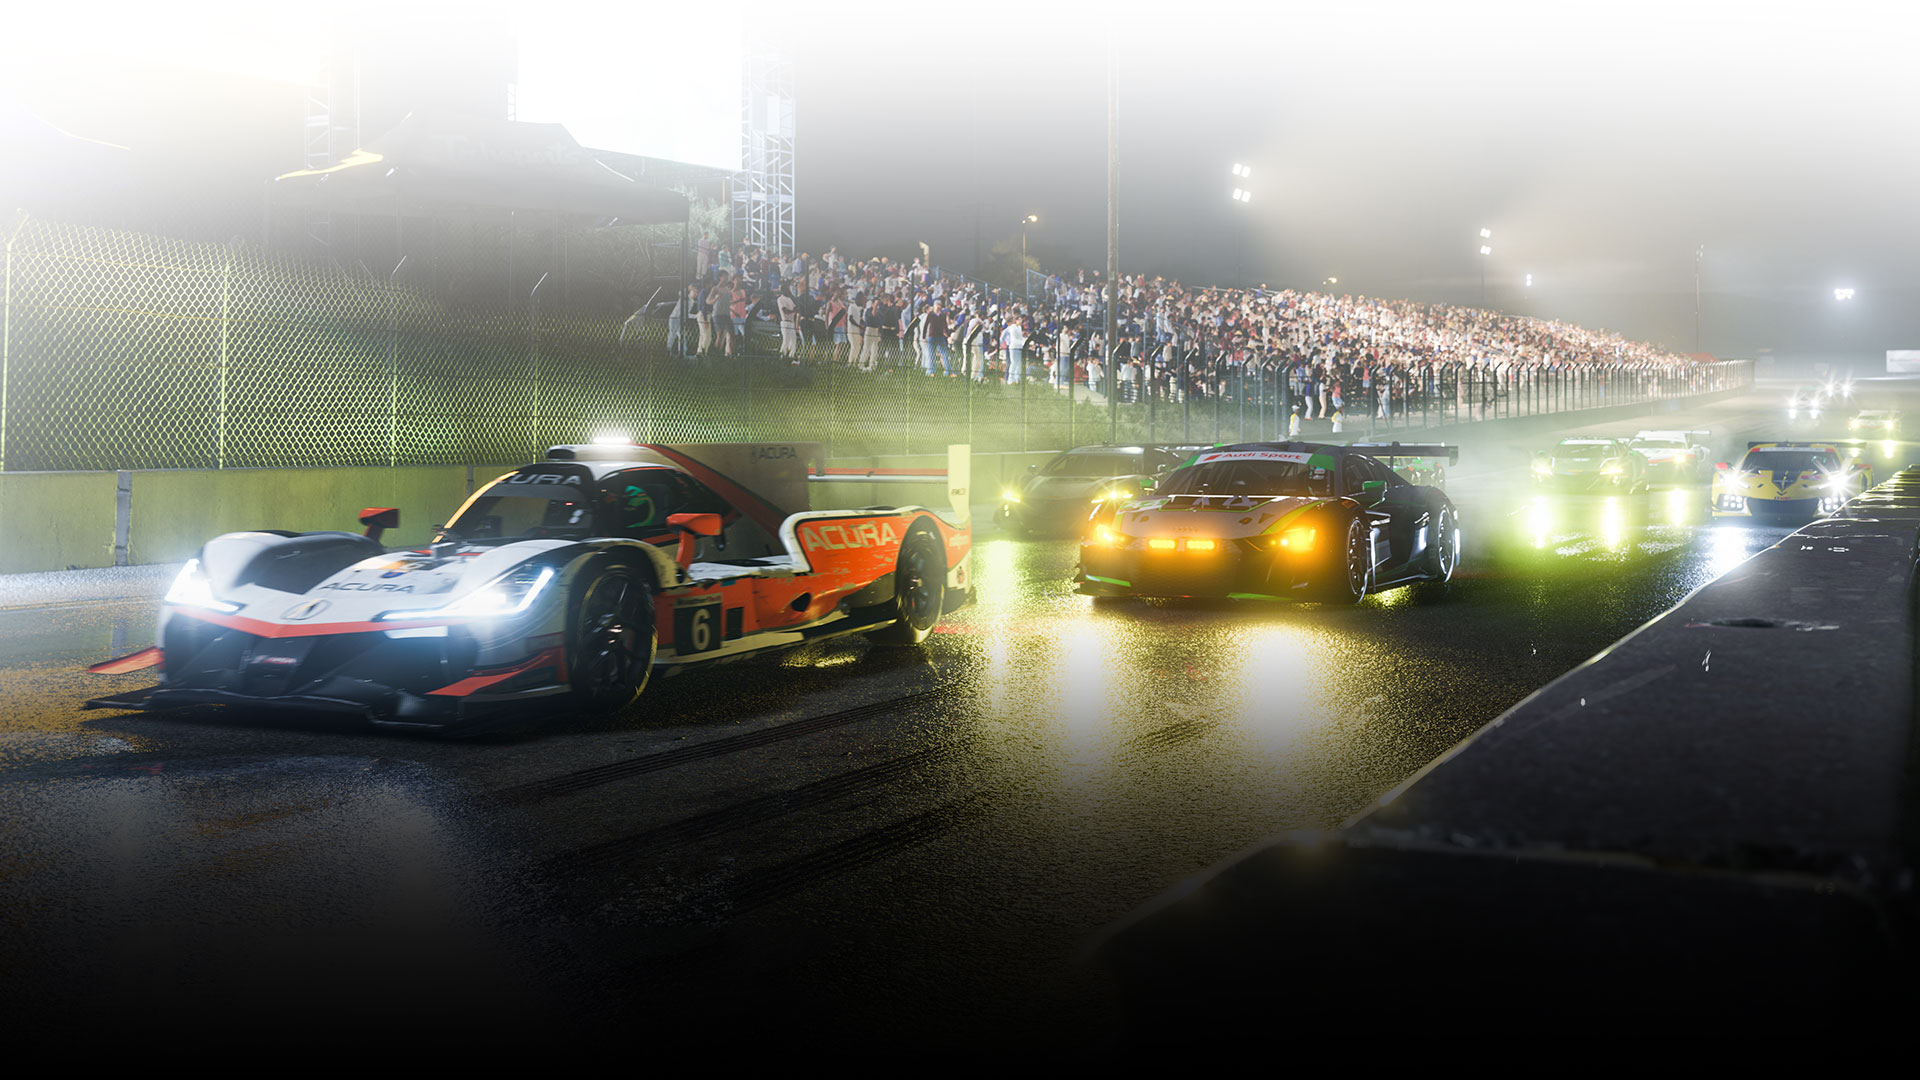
{"type": "Point", "coordinates": [762, 200]}
{"type": "Point", "coordinates": [332, 129]}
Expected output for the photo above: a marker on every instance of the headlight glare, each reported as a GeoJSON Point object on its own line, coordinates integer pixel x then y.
{"type": "Point", "coordinates": [192, 589]}
{"type": "Point", "coordinates": [509, 594]}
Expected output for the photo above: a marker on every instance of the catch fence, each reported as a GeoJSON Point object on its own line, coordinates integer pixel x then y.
{"type": "Point", "coordinates": [130, 351]}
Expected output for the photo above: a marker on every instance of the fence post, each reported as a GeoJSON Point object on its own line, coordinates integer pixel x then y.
{"type": "Point", "coordinates": [393, 363]}
{"type": "Point", "coordinates": [6, 330]}
{"type": "Point", "coordinates": [533, 358]}
{"type": "Point", "coordinates": [226, 324]}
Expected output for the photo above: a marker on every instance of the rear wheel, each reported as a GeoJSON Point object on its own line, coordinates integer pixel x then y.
{"type": "Point", "coordinates": [1445, 545]}
{"type": "Point", "coordinates": [919, 589]}
{"type": "Point", "coordinates": [611, 639]}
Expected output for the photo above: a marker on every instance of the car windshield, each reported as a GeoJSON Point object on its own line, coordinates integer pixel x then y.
{"type": "Point", "coordinates": [1582, 447]}
{"type": "Point", "coordinates": [1246, 478]}
{"type": "Point", "coordinates": [1790, 461]}
{"type": "Point", "coordinates": [1661, 444]}
{"type": "Point", "coordinates": [1092, 465]}
{"type": "Point", "coordinates": [524, 512]}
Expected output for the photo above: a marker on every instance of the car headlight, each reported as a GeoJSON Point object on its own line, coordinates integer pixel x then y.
{"type": "Point", "coordinates": [1297, 540]}
{"type": "Point", "coordinates": [1612, 468]}
{"type": "Point", "coordinates": [1543, 468]}
{"type": "Point", "coordinates": [192, 589]}
{"type": "Point", "coordinates": [1010, 495]}
{"type": "Point", "coordinates": [509, 594]}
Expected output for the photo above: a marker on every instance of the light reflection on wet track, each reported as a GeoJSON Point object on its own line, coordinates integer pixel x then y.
{"type": "Point", "coordinates": [935, 865]}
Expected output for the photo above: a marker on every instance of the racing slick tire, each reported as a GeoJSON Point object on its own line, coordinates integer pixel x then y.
{"type": "Point", "coordinates": [919, 589]}
{"type": "Point", "coordinates": [1351, 575]}
{"type": "Point", "coordinates": [1445, 549]}
{"type": "Point", "coordinates": [611, 638]}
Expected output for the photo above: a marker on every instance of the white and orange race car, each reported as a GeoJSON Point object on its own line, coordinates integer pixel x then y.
{"type": "Point", "coordinates": [568, 581]}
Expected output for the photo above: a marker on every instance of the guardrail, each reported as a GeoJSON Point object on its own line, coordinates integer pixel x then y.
{"type": "Point", "coordinates": [1717, 813]}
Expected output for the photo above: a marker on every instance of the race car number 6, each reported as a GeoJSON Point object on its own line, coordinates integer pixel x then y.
{"type": "Point", "coordinates": [693, 629]}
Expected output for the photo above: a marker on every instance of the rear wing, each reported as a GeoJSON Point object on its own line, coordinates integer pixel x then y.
{"type": "Point", "coordinates": [957, 477]}
{"type": "Point", "coordinates": [1768, 444]}
{"type": "Point", "coordinates": [1390, 450]}
{"type": "Point", "coordinates": [1668, 431]}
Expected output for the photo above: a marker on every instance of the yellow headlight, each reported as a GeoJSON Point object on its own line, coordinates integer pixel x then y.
{"type": "Point", "coordinates": [1104, 536]}
{"type": "Point", "coordinates": [1200, 545]}
{"type": "Point", "coordinates": [1298, 539]}
{"type": "Point", "coordinates": [1162, 544]}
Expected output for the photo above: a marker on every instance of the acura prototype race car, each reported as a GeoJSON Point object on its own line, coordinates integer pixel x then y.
{"type": "Point", "coordinates": [1058, 495]}
{"type": "Point", "coordinates": [1591, 465]}
{"type": "Point", "coordinates": [1268, 521]}
{"type": "Point", "coordinates": [570, 580]}
{"type": "Point", "coordinates": [1788, 479]}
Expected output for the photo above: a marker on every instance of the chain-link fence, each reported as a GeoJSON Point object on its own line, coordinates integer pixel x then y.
{"type": "Point", "coordinates": [127, 351]}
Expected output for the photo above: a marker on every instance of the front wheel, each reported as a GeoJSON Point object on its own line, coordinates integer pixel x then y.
{"type": "Point", "coordinates": [919, 590]}
{"type": "Point", "coordinates": [1352, 573]}
{"type": "Point", "coordinates": [611, 639]}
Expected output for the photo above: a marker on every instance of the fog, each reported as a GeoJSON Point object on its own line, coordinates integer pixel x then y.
{"type": "Point", "coordinates": [1603, 144]}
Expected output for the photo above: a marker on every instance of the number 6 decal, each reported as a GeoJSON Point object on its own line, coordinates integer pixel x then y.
{"type": "Point", "coordinates": [696, 624]}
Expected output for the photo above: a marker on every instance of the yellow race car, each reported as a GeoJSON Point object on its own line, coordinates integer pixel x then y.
{"type": "Point", "coordinates": [1788, 479]}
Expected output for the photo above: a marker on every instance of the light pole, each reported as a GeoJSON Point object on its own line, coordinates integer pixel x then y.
{"type": "Point", "coordinates": [1485, 250]}
{"type": "Point", "coordinates": [1699, 253]}
{"type": "Point", "coordinates": [1241, 195]}
{"type": "Point", "coordinates": [1030, 219]}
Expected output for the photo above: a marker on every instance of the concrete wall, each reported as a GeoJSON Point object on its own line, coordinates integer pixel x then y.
{"type": "Point", "coordinates": [61, 521]}
{"type": "Point", "coordinates": [175, 511]}
{"type": "Point", "coordinates": [56, 521]}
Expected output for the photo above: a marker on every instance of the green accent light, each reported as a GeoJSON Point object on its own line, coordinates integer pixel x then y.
{"type": "Point", "coordinates": [1110, 581]}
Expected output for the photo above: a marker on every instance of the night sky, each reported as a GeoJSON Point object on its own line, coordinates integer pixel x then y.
{"type": "Point", "coordinates": [1602, 143]}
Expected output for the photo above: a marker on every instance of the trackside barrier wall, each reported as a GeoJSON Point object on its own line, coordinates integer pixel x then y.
{"type": "Point", "coordinates": [56, 521]}
{"type": "Point", "coordinates": [1716, 813]}
{"type": "Point", "coordinates": [68, 520]}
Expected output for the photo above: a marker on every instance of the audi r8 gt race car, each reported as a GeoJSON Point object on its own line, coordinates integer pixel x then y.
{"type": "Point", "coordinates": [1883, 421]}
{"type": "Point", "coordinates": [1591, 465]}
{"type": "Point", "coordinates": [1058, 495]}
{"type": "Point", "coordinates": [1671, 455]}
{"type": "Point", "coordinates": [1270, 521]}
{"type": "Point", "coordinates": [1788, 479]}
{"type": "Point", "coordinates": [570, 580]}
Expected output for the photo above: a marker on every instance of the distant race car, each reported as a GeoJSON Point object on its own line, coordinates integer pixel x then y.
{"type": "Point", "coordinates": [1413, 468]}
{"type": "Point", "coordinates": [1267, 521]}
{"type": "Point", "coordinates": [1882, 421]}
{"type": "Point", "coordinates": [1587, 465]}
{"type": "Point", "coordinates": [1671, 454]}
{"type": "Point", "coordinates": [1058, 495]}
{"type": "Point", "coordinates": [1788, 479]}
{"type": "Point", "coordinates": [569, 581]}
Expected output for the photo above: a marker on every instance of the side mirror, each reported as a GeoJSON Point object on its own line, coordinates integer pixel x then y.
{"type": "Point", "coordinates": [691, 527]}
{"type": "Point", "coordinates": [378, 519]}
{"type": "Point", "coordinates": [1721, 465]}
{"type": "Point", "coordinates": [1373, 489]}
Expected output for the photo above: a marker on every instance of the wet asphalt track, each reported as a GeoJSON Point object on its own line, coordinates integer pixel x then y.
{"type": "Point", "coordinates": [851, 842]}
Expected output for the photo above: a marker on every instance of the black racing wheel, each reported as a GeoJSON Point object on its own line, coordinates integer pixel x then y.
{"type": "Point", "coordinates": [919, 589]}
{"type": "Point", "coordinates": [611, 638]}
{"type": "Point", "coordinates": [1350, 570]}
{"type": "Point", "coordinates": [1444, 545]}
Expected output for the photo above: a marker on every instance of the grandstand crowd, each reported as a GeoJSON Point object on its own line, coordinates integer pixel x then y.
{"type": "Point", "coordinates": [1174, 342]}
